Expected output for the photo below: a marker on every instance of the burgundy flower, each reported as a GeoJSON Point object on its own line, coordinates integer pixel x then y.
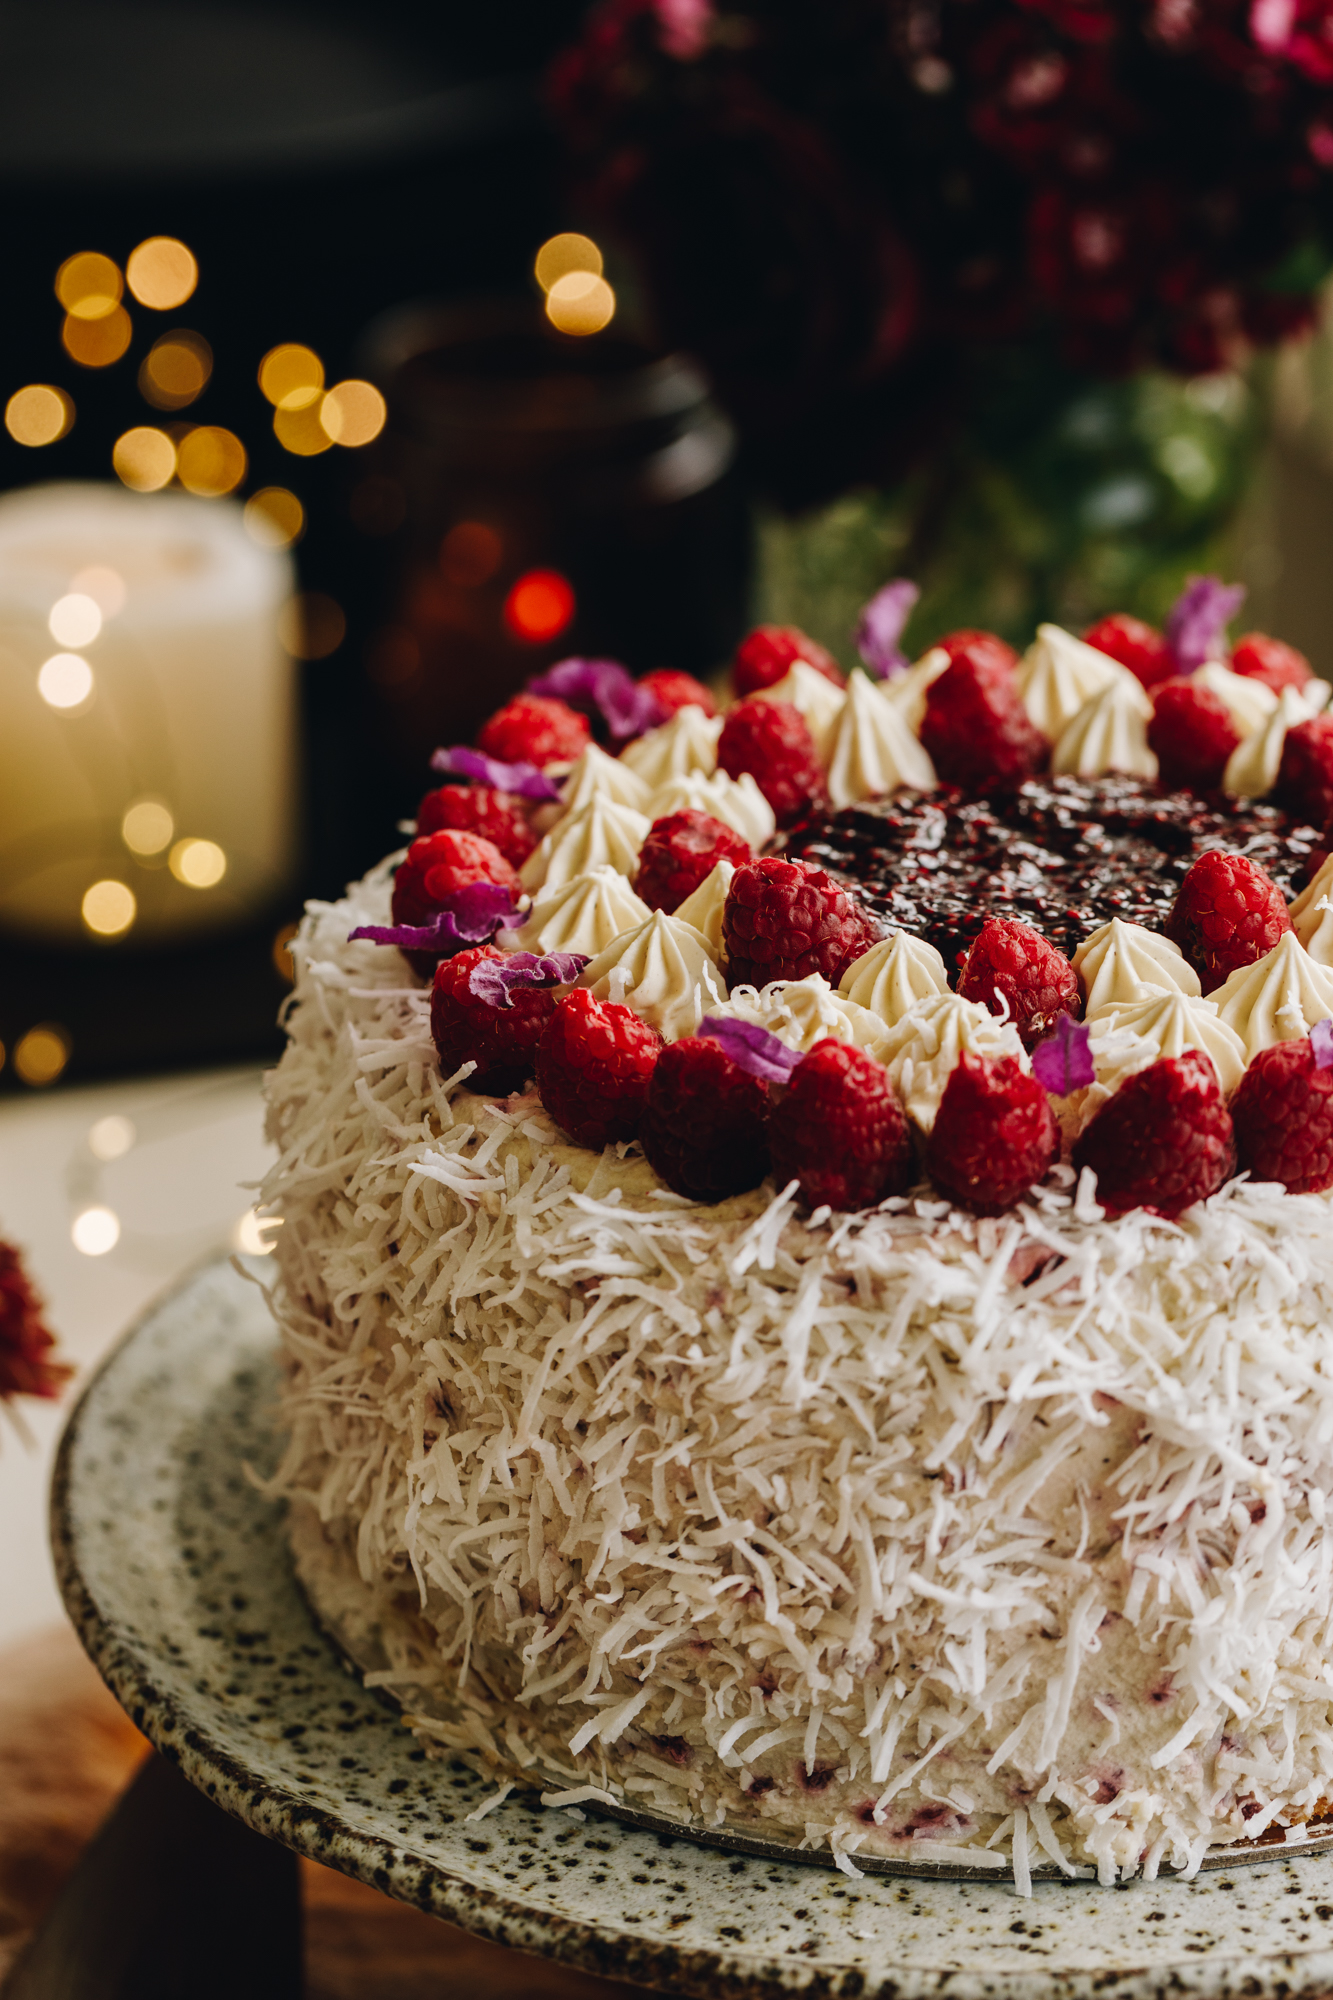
{"type": "Point", "coordinates": [26, 1347]}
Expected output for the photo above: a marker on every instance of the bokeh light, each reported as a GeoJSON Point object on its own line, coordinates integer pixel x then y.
{"type": "Point", "coordinates": [210, 461]}
{"type": "Point", "coordinates": [65, 681]}
{"type": "Point", "coordinates": [249, 1235]}
{"type": "Point", "coordinates": [560, 255]}
{"type": "Point", "coordinates": [470, 554]}
{"type": "Point", "coordinates": [106, 587]}
{"type": "Point", "coordinates": [39, 414]}
{"type": "Point", "coordinates": [175, 369]}
{"type": "Point", "coordinates": [199, 864]}
{"type": "Point", "coordinates": [162, 273]}
{"type": "Point", "coordinates": [539, 606]}
{"type": "Point", "coordinates": [353, 413]}
{"type": "Point", "coordinates": [274, 518]}
{"type": "Point", "coordinates": [580, 303]}
{"type": "Point", "coordinates": [41, 1054]}
{"type": "Point", "coordinates": [109, 908]}
{"type": "Point", "coordinates": [89, 285]}
{"type": "Point", "coordinates": [291, 376]}
{"type": "Point", "coordinates": [110, 1138]}
{"type": "Point", "coordinates": [311, 626]}
{"type": "Point", "coordinates": [144, 459]}
{"type": "Point", "coordinates": [94, 1231]}
{"type": "Point", "coordinates": [147, 827]}
{"type": "Point", "coordinates": [283, 962]}
{"type": "Point", "coordinates": [300, 431]}
{"type": "Point", "coordinates": [75, 620]}
{"type": "Point", "coordinates": [96, 343]}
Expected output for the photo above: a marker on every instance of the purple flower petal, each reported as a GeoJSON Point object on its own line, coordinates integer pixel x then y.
{"type": "Point", "coordinates": [1063, 1061]}
{"type": "Point", "coordinates": [753, 1048]}
{"type": "Point", "coordinates": [881, 627]}
{"type": "Point", "coordinates": [605, 688]}
{"type": "Point", "coordinates": [469, 916]}
{"type": "Point", "coordinates": [495, 979]}
{"type": "Point", "coordinates": [1321, 1041]}
{"type": "Point", "coordinates": [524, 780]}
{"type": "Point", "coordinates": [1196, 624]}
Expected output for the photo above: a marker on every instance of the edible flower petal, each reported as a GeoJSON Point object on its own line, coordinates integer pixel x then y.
{"type": "Point", "coordinates": [525, 781]}
{"type": "Point", "coordinates": [494, 979]}
{"type": "Point", "coordinates": [605, 688]}
{"type": "Point", "coordinates": [469, 916]}
{"type": "Point", "coordinates": [1197, 621]}
{"type": "Point", "coordinates": [1063, 1061]}
{"type": "Point", "coordinates": [881, 626]}
{"type": "Point", "coordinates": [751, 1047]}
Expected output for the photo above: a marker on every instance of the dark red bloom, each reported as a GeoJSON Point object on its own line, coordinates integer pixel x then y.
{"type": "Point", "coordinates": [26, 1346]}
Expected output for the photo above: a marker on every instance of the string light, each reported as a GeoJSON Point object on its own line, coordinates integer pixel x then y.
{"type": "Point", "coordinates": [109, 908]}
{"type": "Point", "coordinates": [65, 681]}
{"type": "Point", "coordinates": [162, 273]}
{"type": "Point", "coordinates": [94, 1231]}
{"type": "Point", "coordinates": [580, 303]}
{"type": "Point", "coordinates": [147, 827]}
{"type": "Point", "coordinates": [560, 255]}
{"type": "Point", "coordinates": [39, 414]}
{"type": "Point", "coordinates": [41, 1054]}
{"type": "Point", "coordinates": [291, 376]}
{"type": "Point", "coordinates": [75, 620]}
{"type": "Point", "coordinates": [274, 518]}
{"type": "Point", "coordinates": [96, 343]}
{"type": "Point", "coordinates": [199, 864]}
{"type": "Point", "coordinates": [210, 462]}
{"type": "Point", "coordinates": [144, 459]}
{"type": "Point", "coordinates": [175, 370]}
{"type": "Point", "coordinates": [539, 606]}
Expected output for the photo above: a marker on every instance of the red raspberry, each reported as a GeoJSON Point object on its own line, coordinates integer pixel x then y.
{"type": "Point", "coordinates": [703, 1129]}
{"type": "Point", "coordinates": [1137, 646]}
{"type": "Point", "coordinates": [983, 649]}
{"type": "Point", "coordinates": [1305, 775]}
{"type": "Point", "coordinates": [1282, 1112]}
{"type": "Point", "coordinates": [1193, 735]}
{"type": "Point", "coordinates": [1163, 1141]}
{"type": "Point", "coordinates": [535, 729]}
{"type": "Point", "coordinates": [1011, 963]}
{"type": "Point", "coordinates": [501, 1041]}
{"type": "Point", "coordinates": [676, 691]}
{"type": "Point", "coordinates": [1228, 912]}
{"type": "Point", "coordinates": [496, 816]}
{"type": "Point", "coordinates": [840, 1131]}
{"type": "Point", "coordinates": [975, 726]}
{"type": "Point", "coordinates": [787, 919]}
{"type": "Point", "coordinates": [772, 741]}
{"type": "Point", "coordinates": [1271, 661]}
{"type": "Point", "coordinates": [994, 1136]}
{"type": "Point", "coordinates": [434, 868]}
{"type": "Point", "coordinates": [594, 1064]}
{"type": "Point", "coordinates": [680, 852]}
{"type": "Point", "coordinates": [764, 655]}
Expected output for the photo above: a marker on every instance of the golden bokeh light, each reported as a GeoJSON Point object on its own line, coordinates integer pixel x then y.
{"type": "Point", "coordinates": [283, 962]}
{"type": "Point", "coordinates": [162, 273]}
{"type": "Point", "coordinates": [94, 1231]}
{"type": "Point", "coordinates": [147, 827]}
{"type": "Point", "coordinates": [291, 376]}
{"type": "Point", "coordinates": [580, 303]}
{"type": "Point", "coordinates": [175, 369]}
{"type": "Point", "coordinates": [144, 459]}
{"type": "Point", "coordinates": [210, 462]}
{"type": "Point", "coordinates": [274, 518]}
{"type": "Point", "coordinates": [65, 681]}
{"type": "Point", "coordinates": [39, 414]}
{"type": "Point", "coordinates": [75, 620]}
{"type": "Point", "coordinates": [89, 285]}
{"type": "Point", "coordinates": [199, 864]}
{"type": "Point", "coordinates": [41, 1054]}
{"type": "Point", "coordinates": [301, 432]}
{"type": "Point", "coordinates": [96, 343]}
{"type": "Point", "coordinates": [311, 626]}
{"type": "Point", "coordinates": [106, 587]}
{"type": "Point", "coordinates": [353, 413]}
{"type": "Point", "coordinates": [560, 255]}
{"type": "Point", "coordinates": [109, 908]}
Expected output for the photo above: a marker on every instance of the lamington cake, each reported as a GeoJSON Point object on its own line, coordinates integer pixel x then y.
{"type": "Point", "coordinates": [805, 1278]}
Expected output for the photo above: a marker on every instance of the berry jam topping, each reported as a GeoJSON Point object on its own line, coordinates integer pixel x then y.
{"type": "Point", "coordinates": [1061, 854]}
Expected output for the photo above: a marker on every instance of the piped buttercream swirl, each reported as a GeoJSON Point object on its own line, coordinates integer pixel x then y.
{"type": "Point", "coordinates": [872, 752]}
{"type": "Point", "coordinates": [737, 802]}
{"type": "Point", "coordinates": [597, 776]}
{"type": "Point", "coordinates": [1121, 964]}
{"type": "Point", "coordinates": [1253, 765]}
{"type": "Point", "coordinates": [922, 1048]}
{"type": "Point", "coordinates": [1312, 915]}
{"type": "Point", "coordinates": [1058, 674]}
{"type": "Point", "coordinates": [583, 915]}
{"type": "Point", "coordinates": [705, 908]}
{"type": "Point", "coordinates": [1109, 733]}
{"type": "Point", "coordinates": [1166, 1024]}
{"type": "Point", "coordinates": [893, 975]}
{"type": "Point", "coordinates": [1247, 701]}
{"type": "Point", "coordinates": [908, 691]}
{"type": "Point", "coordinates": [818, 699]}
{"type": "Point", "coordinates": [1278, 998]}
{"type": "Point", "coordinates": [599, 835]}
{"type": "Point", "coordinates": [801, 1012]}
{"type": "Point", "coordinates": [664, 970]}
{"type": "Point", "coordinates": [686, 744]}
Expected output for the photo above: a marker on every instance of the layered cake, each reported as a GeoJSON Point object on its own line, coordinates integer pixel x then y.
{"type": "Point", "coordinates": [805, 1276]}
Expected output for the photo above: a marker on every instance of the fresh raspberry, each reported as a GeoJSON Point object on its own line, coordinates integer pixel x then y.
{"type": "Point", "coordinates": [1163, 1141]}
{"type": "Point", "coordinates": [994, 1135]}
{"type": "Point", "coordinates": [1228, 912]}
{"type": "Point", "coordinates": [437, 865]}
{"type": "Point", "coordinates": [975, 726]}
{"type": "Point", "coordinates": [680, 852]}
{"type": "Point", "coordinates": [787, 919]}
{"type": "Point", "coordinates": [1271, 661]}
{"type": "Point", "coordinates": [594, 1064]}
{"type": "Point", "coordinates": [1192, 733]}
{"type": "Point", "coordinates": [772, 741]}
{"type": "Point", "coordinates": [1283, 1118]}
{"type": "Point", "coordinates": [840, 1131]}
{"type": "Point", "coordinates": [675, 691]}
{"type": "Point", "coordinates": [764, 656]}
{"type": "Point", "coordinates": [983, 649]}
{"type": "Point", "coordinates": [501, 1041]}
{"type": "Point", "coordinates": [703, 1129]}
{"type": "Point", "coordinates": [1305, 775]}
{"type": "Point", "coordinates": [496, 816]}
{"type": "Point", "coordinates": [1137, 646]}
{"type": "Point", "coordinates": [1013, 970]}
{"type": "Point", "coordinates": [535, 729]}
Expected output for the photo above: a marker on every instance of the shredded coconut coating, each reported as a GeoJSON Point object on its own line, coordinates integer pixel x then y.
{"type": "Point", "coordinates": [906, 1532]}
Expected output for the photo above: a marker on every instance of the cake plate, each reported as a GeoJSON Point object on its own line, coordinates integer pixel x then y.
{"type": "Point", "coordinates": [175, 1570]}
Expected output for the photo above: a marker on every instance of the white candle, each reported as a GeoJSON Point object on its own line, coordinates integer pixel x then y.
{"type": "Point", "coordinates": [148, 771]}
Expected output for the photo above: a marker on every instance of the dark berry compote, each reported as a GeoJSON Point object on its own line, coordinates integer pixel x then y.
{"type": "Point", "coordinates": [1061, 854]}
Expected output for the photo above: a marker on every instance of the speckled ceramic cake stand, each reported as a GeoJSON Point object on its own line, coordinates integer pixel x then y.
{"type": "Point", "coordinates": [175, 1571]}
